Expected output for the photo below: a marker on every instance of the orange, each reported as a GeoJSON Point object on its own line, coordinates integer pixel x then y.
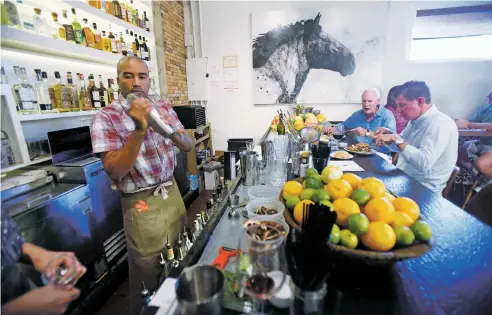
{"type": "Point", "coordinates": [380, 209]}
{"type": "Point", "coordinates": [345, 207]}
{"type": "Point", "coordinates": [292, 188]}
{"type": "Point", "coordinates": [374, 186]}
{"type": "Point", "coordinates": [339, 188]}
{"type": "Point", "coordinates": [352, 179]}
{"type": "Point", "coordinates": [401, 219]}
{"type": "Point", "coordinates": [299, 210]}
{"type": "Point", "coordinates": [408, 206]}
{"type": "Point", "coordinates": [379, 237]}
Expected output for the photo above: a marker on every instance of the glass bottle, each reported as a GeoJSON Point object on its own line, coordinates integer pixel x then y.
{"type": "Point", "coordinates": [84, 98]}
{"type": "Point", "coordinates": [77, 29]}
{"type": "Point", "coordinates": [129, 13]}
{"type": "Point", "coordinates": [281, 127]}
{"type": "Point", "coordinates": [10, 14]}
{"type": "Point", "coordinates": [112, 39]}
{"type": "Point", "coordinates": [136, 47]}
{"type": "Point", "coordinates": [98, 43]}
{"type": "Point", "coordinates": [113, 91]}
{"type": "Point", "coordinates": [40, 23]}
{"type": "Point", "coordinates": [109, 8]}
{"type": "Point", "coordinates": [102, 5]}
{"type": "Point", "coordinates": [26, 17]}
{"type": "Point", "coordinates": [122, 45]}
{"type": "Point", "coordinates": [116, 8]}
{"type": "Point", "coordinates": [70, 99]}
{"type": "Point", "coordinates": [94, 93]}
{"type": "Point", "coordinates": [55, 92]}
{"type": "Point", "coordinates": [25, 94]}
{"type": "Point", "coordinates": [88, 35]}
{"type": "Point", "coordinates": [129, 43]}
{"type": "Point", "coordinates": [105, 42]}
{"type": "Point", "coordinates": [65, 100]}
{"type": "Point", "coordinates": [70, 35]}
{"type": "Point", "coordinates": [138, 21]}
{"type": "Point", "coordinates": [4, 77]}
{"type": "Point", "coordinates": [124, 15]}
{"type": "Point", "coordinates": [134, 14]}
{"type": "Point", "coordinates": [57, 30]}
{"type": "Point", "coordinates": [103, 93]}
{"type": "Point", "coordinates": [93, 3]}
{"type": "Point", "coordinates": [42, 92]}
{"type": "Point", "coordinates": [146, 22]}
{"type": "Point", "coordinates": [145, 50]}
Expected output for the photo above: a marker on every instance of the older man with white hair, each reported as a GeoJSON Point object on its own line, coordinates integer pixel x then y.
{"type": "Point", "coordinates": [371, 117]}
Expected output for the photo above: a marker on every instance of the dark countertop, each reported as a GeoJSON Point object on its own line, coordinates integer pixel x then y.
{"type": "Point", "coordinates": [455, 277]}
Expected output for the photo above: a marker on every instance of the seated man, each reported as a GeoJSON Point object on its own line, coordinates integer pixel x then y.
{"type": "Point", "coordinates": [369, 118]}
{"type": "Point", "coordinates": [480, 153]}
{"type": "Point", "coordinates": [429, 144]}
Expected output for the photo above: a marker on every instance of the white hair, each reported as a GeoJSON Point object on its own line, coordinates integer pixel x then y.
{"type": "Point", "coordinates": [373, 90]}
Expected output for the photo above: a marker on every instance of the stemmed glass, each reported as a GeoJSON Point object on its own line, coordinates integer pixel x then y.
{"type": "Point", "coordinates": [260, 261]}
{"type": "Point", "coordinates": [338, 133]}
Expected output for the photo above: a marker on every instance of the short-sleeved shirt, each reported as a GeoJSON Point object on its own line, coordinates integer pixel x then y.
{"type": "Point", "coordinates": [484, 115]}
{"type": "Point", "coordinates": [155, 162]}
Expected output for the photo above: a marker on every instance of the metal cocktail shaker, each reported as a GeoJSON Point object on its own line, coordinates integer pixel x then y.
{"type": "Point", "coordinates": [154, 118]}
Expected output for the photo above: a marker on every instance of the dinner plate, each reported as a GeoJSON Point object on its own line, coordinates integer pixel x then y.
{"type": "Point", "coordinates": [361, 153]}
{"type": "Point", "coordinates": [332, 155]}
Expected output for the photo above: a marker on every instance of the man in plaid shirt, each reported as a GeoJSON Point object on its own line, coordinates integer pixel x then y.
{"type": "Point", "coordinates": [141, 163]}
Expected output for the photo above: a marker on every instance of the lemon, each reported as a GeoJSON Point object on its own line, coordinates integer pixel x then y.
{"type": "Point", "coordinates": [345, 207]}
{"type": "Point", "coordinates": [408, 206]}
{"type": "Point", "coordinates": [292, 188]}
{"type": "Point", "coordinates": [380, 209]}
{"type": "Point", "coordinates": [352, 179]}
{"type": "Point", "coordinates": [379, 237]}
{"type": "Point", "coordinates": [401, 219]}
{"type": "Point", "coordinates": [331, 172]}
{"type": "Point", "coordinates": [299, 210]}
{"type": "Point", "coordinates": [373, 186]}
{"type": "Point", "coordinates": [339, 188]}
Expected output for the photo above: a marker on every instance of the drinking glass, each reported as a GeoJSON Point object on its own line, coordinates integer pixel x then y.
{"type": "Point", "coordinates": [260, 255]}
{"type": "Point", "coordinates": [338, 134]}
{"type": "Point", "coordinates": [61, 271]}
{"type": "Point", "coordinates": [277, 171]}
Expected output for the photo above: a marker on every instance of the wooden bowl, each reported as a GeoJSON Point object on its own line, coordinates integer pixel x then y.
{"type": "Point", "coordinates": [361, 254]}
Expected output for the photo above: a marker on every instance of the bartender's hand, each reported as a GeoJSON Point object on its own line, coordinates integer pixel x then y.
{"type": "Point", "coordinates": [46, 300]}
{"type": "Point", "coordinates": [139, 110]}
{"type": "Point", "coordinates": [462, 124]}
{"type": "Point", "coordinates": [359, 131]}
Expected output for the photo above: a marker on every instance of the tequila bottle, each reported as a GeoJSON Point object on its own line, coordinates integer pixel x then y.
{"type": "Point", "coordinates": [40, 24]}
{"type": "Point", "coordinates": [57, 30]}
{"type": "Point", "coordinates": [10, 14]}
{"type": "Point", "coordinates": [70, 93]}
{"type": "Point", "coordinates": [122, 45]}
{"type": "Point", "coordinates": [116, 8]}
{"type": "Point", "coordinates": [129, 43]}
{"type": "Point", "coordinates": [112, 39]}
{"type": "Point", "coordinates": [84, 98]}
{"type": "Point", "coordinates": [106, 42]}
{"type": "Point", "coordinates": [26, 18]}
{"type": "Point", "coordinates": [113, 91]}
{"type": "Point", "coordinates": [98, 43]}
{"type": "Point", "coordinates": [25, 94]}
{"type": "Point", "coordinates": [55, 92]}
{"type": "Point", "coordinates": [94, 93]}
{"type": "Point", "coordinates": [77, 29]}
{"type": "Point", "coordinates": [88, 35]}
{"type": "Point", "coordinates": [103, 93]}
{"type": "Point", "coordinates": [70, 35]}
{"type": "Point", "coordinates": [42, 92]}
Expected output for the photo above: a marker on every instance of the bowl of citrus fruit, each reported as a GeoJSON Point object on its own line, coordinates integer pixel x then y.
{"type": "Point", "coordinates": [373, 225]}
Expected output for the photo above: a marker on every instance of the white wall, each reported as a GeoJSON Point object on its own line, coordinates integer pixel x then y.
{"type": "Point", "coordinates": [458, 87]}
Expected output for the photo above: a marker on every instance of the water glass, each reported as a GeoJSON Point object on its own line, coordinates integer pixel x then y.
{"type": "Point", "coordinates": [308, 302]}
{"type": "Point", "coordinates": [278, 171]}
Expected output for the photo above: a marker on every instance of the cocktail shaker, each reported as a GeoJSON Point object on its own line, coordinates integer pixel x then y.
{"type": "Point", "coordinates": [154, 118]}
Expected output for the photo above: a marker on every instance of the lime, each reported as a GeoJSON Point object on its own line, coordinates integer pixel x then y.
{"type": "Point", "coordinates": [348, 239]}
{"type": "Point", "coordinates": [311, 172]}
{"type": "Point", "coordinates": [313, 182]}
{"type": "Point", "coordinates": [335, 234]}
{"type": "Point", "coordinates": [320, 194]}
{"type": "Point", "coordinates": [404, 236]}
{"type": "Point", "coordinates": [327, 203]}
{"type": "Point", "coordinates": [358, 223]}
{"type": "Point", "coordinates": [307, 194]}
{"type": "Point", "coordinates": [361, 196]}
{"type": "Point", "coordinates": [292, 201]}
{"type": "Point", "coordinates": [422, 230]}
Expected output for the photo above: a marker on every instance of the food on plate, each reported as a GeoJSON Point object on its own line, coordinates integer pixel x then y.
{"type": "Point", "coordinates": [359, 147]}
{"type": "Point", "coordinates": [266, 211]}
{"type": "Point", "coordinates": [342, 155]}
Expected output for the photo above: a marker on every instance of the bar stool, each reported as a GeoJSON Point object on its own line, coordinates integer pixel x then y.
{"type": "Point", "coordinates": [450, 183]}
{"type": "Point", "coordinates": [478, 178]}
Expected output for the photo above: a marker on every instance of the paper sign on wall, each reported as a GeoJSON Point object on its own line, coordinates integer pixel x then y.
{"type": "Point", "coordinates": [229, 62]}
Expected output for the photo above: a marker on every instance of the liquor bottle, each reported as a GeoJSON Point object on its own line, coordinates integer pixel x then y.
{"type": "Point", "coordinates": [129, 13]}
{"type": "Point", "coordinates": [112, 39]}
{"type": "Point", "coordinates": [10, 14]}
{"type": "Point", "coordinates": [102, 5]}
{"type": "Point", "coordinates": [140, 47]}
{"type": "Point", "coordinates": [25, 94]}
{"type": "Point", "coordinates": [26, 18]}
{"type": "Point", "coordinates": [57, 30]}
{"type": "Point", "coordinates": [122, 46]}
{"type": "Point", "coordinates": [94, 93]}
{"type": "Point", "coordinates": [145, 50]}
{"type": "Point", "coordinates": [93, 3]}
{"type": "Point", "coordinates": [281, 127]}
{"type": "Point", "coordinates": [136, 47]}
{"type": "Point", "coordinates": [170, 255]}
{"type": "Point", "coordinates": [116, 8]}
{"type": "Point", "coordinates": [109, 8]}
{"type": "Point", "coordinates": [138, 21]}
{"type": "Point", "coordinates": [129, 43]}
{"type": "Point", "coordinates": [70, 36]}
{"type": "Point", "coordinates": [40, 24]}
{"type": "Point", "coordinates": [4, 79]}
{"type": "Point", "coordinates": [124, 15]}
{"type": "Point", "coordinates": [113, 91]}
{"type": "Point", "coordinates": [64, 99]}
{"type": "Point", "coordinates": [55, 92]}
{"type": "Point", "coordinates": [77, 29]}
{"type": "Point", "coordinates": [146, 22]}
{"type": "Point", "coordinates": [42, 92]}
{"type": "Point", "coordinates": [70, 99]}
{"type": "Point", "coordinates": [84, 98]}
{"type": "Point", "coordinates": [105, 42]}
{"type": "Point", "coordinates": [103, 94]}
{"type": "Point", "coordinates": [88, 35]}
{"type": "Point", "coordinates": [98, 44]}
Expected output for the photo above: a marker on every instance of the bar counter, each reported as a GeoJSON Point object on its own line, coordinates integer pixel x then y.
{"type": "Point", "coordinates": [455, 277]}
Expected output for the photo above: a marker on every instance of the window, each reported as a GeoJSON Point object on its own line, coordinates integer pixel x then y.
{"type": "Point", "coordinates": [453, 33]}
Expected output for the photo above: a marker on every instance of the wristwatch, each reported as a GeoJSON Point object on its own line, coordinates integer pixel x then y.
{"type": "Point", "coordinates": [399, 140]}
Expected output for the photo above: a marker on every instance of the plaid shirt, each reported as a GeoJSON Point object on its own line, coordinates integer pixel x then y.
{"type": "Point", "coordinates": [155, 163]}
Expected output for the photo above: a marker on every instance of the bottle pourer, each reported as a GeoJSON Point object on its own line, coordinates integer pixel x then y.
{"type": "Point", "coordinates": [164, 265]}
{"type": "Point", "coordinates": [181, 253]}
{"type": "Point", "coordinates": [145, 294]}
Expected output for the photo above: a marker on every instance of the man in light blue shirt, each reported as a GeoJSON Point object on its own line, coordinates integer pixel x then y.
{"type": "Point", "coordinates": [429, 144]}
{"type": "Point", "coordinates": [368, 119]}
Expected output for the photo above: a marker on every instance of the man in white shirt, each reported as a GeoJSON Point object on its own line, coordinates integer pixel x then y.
{"type": "Point", "coordinates": [429, 144]}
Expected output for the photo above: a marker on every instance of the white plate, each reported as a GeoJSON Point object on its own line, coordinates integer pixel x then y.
{"type": "Point", "coordinates": [332, 155]}
{"type": "Point", "coordinates": [361, 153]}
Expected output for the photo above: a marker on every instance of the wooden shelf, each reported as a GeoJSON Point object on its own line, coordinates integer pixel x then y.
{"type": "Point", "coordinates": [56, 115]}
{"type": "Point", "coordinates": [110, 18]}
{"type": "Point", "coordinates": [30, 43]}
{"type": "Point", "coordinates": [197, 142]}
{"type": "Point", "coordinates": [203, 164]}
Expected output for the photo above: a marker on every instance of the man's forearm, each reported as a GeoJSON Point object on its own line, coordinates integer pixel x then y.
{"type": "Point", "coordinates": [473, 125]}
{"type": "Point", "coordinates": [183, 141]}
{"type": "Point", "coordinates": [118, 163]}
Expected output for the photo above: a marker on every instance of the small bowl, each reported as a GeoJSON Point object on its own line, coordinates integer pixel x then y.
{"type": "Point", "coordinates": [343, 145]}
{"type": "Point", "coordinates": [256, 204]}
{"type": "Point", "coordinates": [263, 192]}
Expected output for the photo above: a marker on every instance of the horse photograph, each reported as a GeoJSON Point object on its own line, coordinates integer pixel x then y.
{"type": "Point", "coordinates": [324, 55]}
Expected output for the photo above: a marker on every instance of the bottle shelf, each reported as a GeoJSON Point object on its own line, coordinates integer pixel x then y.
{"type": "Point", "coordinates": [21, 165]}
{"type": "Point", "coordinates": [30, 42]}
{"type": "Point", "coordinates": [84, 6]}
{"type": "Point", "coordinates": [56, 115]}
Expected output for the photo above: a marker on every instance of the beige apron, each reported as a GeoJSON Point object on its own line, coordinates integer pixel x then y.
{"type": "Point", "coordinates": [146, 234]}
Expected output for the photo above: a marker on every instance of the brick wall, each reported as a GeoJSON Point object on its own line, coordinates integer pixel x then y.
{"type": "Point", "coordinates": [174, 51]}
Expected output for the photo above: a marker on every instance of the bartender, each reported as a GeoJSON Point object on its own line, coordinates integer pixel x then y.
{"type": "Point", "coordinates": [141, 163]}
